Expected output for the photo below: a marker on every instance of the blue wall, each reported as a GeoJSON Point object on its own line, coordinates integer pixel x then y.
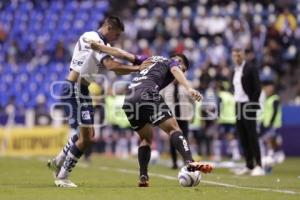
{"type": "Point", "coordinates": [291, 130]}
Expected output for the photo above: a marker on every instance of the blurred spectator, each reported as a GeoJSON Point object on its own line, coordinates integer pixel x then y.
{"type": "Point", "coordinates": [145, 24]}
{"type": "Point", "coordinates": [217, 52]}
{"type": "Point", "coordinates": [42, 116]}
{"type": "Point", "coordinates": [273, 55]}
{"type": "Point", "coordinates": [60, 54]}
{"type": "Point", "coordinates": [186, 27]}
{"type": "Point", "coordinates": [258, 41]}
{"type": "Point", "coordinates": [3, 34]}
{"type": "Point", "coordinates": [217, 23]}
{"type": "Point", "coordinates": [13, 53]}
{"type": "Point", "coordinates": [160, 27]}
{"type": "Point", "coordinates": [201, 21]}
{"type": "Point", "coordinates": [172, 22]}
{"type": "Point", "coordinates": [286, 23]}
{"type": "Point", "coordinates": [238, 32]}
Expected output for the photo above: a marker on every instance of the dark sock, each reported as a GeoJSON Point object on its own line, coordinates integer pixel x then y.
{"type": "Point", "coordinates": [144, 154]}
{"type": "Point", "coordinates": [173, 155]}
{"type": "Point", "coordinates": [182, 146]}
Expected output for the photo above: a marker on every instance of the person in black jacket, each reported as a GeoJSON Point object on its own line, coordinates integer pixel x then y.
{"type": "Point", "coordinates": [247, 89]}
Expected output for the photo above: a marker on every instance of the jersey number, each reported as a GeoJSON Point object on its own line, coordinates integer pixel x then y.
{"type": "Point", "coordinates": [145, 71]}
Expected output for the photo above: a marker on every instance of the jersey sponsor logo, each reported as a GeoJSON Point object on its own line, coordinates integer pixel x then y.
{"type": "Point", "coordinates": [77, 62]}
{"type": "Point", "coordinates": [136, 79]}
{"type": "Point", "coordinates": [184, 142]}
{"type": "Point", "coordinates": [86, 115]}
{"type": "Point", "coordinates": [158, 59]}
{"type": "Point", "coordinates": [132, 85]}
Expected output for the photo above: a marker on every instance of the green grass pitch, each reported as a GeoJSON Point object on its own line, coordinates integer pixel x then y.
{"type": "Point", "coordinates": [111, 178]}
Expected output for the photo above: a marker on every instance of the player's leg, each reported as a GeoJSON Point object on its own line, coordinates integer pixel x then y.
{"type": "Point", "coordinates": [217, 143]}
{"type": "Point", "coordinates": [74, 154]}
{"type": "Point", "coordinates": [56, 163]}
{"type": "Point", "coordinates": [279, 155]}
{"type": "Point", "coordinates": [144, 153]}
{"type": "Point", "coordinates": [86, 122]}
{"type": "Point", "coordinates": [170, 126]}
{"type": "Point", "coordinates": [233, 144]}
{"type": "Point", "coordinates": [183, 124]}
{"type": "Point", "coordinates": [251, 132]}
{"type": "Point", "coordinates": [173, 156]}
{"type": "Point", "coordinates": [70, 106]}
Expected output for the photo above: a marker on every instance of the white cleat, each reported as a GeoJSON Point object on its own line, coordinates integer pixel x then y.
{"type": "Point", "coordinates": [258, 171]}
{"type": "Point", "coordinates": [242, 171]}
{"type": "Point", "coordinates": [51, 164]}
{"type": "Point", "coordinates": [279, 157]}
{"type": "Point", "coordinates": [65, 183]}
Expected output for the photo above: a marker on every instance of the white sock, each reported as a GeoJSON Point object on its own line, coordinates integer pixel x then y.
{"type": "Point", "coordinates": [263, 148]}
{"type": "Point", "coordinates": [234, 148]}
{"type": "Point", "coordinates": [70, 162]}
{"type": "Point", "coordinates": [60, 158]}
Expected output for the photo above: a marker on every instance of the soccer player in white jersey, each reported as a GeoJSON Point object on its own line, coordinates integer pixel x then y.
{"type": "Point", "coordinates": [85, 63]}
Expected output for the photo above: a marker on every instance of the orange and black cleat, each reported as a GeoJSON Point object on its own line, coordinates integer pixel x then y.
{"type": "Point", "coordinates": [144, 181]}
{"type": "Point", "coordinates": [197, 166]}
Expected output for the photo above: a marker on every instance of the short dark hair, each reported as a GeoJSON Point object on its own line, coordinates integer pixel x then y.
{"type": "Point", "coordinates": [237, 47]}
{"type": "Point", "coordinates": [184, 58]}
{"type": "Point", "coordinates": [114, 21]}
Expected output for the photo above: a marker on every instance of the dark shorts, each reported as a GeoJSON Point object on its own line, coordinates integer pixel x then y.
{"type": "Point", "coordinates": [145, 105]}
{"type": "Point", "coordinates": [77, 105]}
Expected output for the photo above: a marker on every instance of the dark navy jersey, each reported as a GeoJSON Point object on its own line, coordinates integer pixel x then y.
{"type": "Point", "coordinates": [158, 75]}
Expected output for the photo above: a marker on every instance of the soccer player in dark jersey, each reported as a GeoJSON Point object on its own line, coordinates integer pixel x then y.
{"type": "Point", "coordinates": [145, 107]}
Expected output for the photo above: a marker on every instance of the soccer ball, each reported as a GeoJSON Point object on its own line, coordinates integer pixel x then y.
{"type": "Point", "coordinates": [188, 179]}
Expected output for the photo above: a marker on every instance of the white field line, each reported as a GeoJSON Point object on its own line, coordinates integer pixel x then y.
{"type": "Point", "coordinates": [167, 177]}
{"type": "Point", "coordinates": [203, 181]}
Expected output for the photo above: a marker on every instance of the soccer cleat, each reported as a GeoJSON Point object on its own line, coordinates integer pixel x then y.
{"type": "Point", "coordinates": [51, 164]}
{"type": "Point", "coordinates": [197, 166]}
{"type": "Point", "coordinates": [242, 171]}
{"type": "Point", "coordinates": [279, 157]}
{"type": "Point", "coordinates": [258, 171]}
{"type": "Point", "coordinates": [65, 183]}
{"type": "Point", "coordinates": [144, 181]}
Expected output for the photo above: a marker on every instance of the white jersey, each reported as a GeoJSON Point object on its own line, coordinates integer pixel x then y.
{"type": "Point", "coordinates": [85, 60]}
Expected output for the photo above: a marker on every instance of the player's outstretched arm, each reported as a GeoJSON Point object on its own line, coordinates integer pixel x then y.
{"type": "Point", "coordinates": [179, 76]}
{"type": "Point", "coordinates": [114, 51]}
{"type": "Point", "coordinates": [119, 68]}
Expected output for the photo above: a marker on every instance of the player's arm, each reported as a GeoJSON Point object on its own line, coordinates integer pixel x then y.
{"type": "Point", "coordinates": [119, 68]}
{"type": "Point", "coordinates": [116, 52]}
{"type": "Point", "coordinates": [113, 51]}
{"type": "Point", "coordinates": [179, 76]}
